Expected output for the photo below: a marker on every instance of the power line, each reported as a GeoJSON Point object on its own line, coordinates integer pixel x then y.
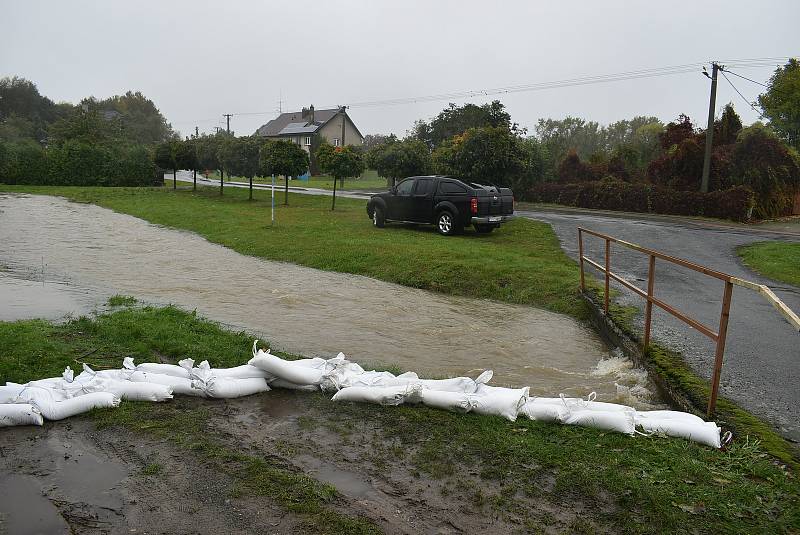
{"type": "Point", "coordinates": [740, 94]}
{"type": "Point", "coordinates": [746, 78]}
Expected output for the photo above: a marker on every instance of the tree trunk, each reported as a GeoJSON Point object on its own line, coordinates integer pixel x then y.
{"type": "Point", "coordinates": [286, 190]}
{"type": "Point", "coordinates": [333, 205]}
{"type": "Point", "coordinates": [251, 188]}
{"type": "Point", "coordinates": [221, 173]}
{"type": "Point", "coordinates": [174, 179]}
{"type": "Point", "coordinates": [194, 186]}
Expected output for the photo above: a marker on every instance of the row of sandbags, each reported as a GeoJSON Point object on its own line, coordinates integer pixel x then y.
{"type": "Point", "coordinates": [58, 398]}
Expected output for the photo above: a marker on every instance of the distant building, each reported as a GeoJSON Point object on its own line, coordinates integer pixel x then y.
{"type": "Point", "coordinates": [299, 127]}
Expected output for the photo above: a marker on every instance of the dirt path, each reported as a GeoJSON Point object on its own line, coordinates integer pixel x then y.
{"type": "Point", "coordinates": [71, 477]}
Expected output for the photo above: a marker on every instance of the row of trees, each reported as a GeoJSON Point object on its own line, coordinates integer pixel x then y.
{"type": "Point", "coordinates": [252, 156]}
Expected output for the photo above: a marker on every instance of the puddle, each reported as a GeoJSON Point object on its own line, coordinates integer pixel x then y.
{"type": "Point", "coordinates": [99, 252]}
{"type": "Point", "coordinates": [347, 483]}
{"type": "Point", "coordinates": [24, 510]}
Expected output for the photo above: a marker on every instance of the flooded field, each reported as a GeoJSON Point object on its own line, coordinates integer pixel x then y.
{"type": "Point", "coordinates": [59, 257]}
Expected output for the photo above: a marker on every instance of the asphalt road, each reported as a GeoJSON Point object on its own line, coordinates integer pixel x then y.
{"type": "Point", "coordinates": [761, 369]}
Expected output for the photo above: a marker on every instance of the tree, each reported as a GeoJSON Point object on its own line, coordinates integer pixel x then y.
{"type": "Point", "coordinates": [489, 154]}
{"type": "Point", "coordinates": [186, 156]}
{"type": "Point", "coordinates": [781, 102]}
{"type": "Point", "coordinates": [283, 158]}
{"type": "Point", "coordinates": [166, 157]}
{"type": "Point", "coordinates": [140, 119]}
{"type": "Point", "coordinates": [455, 120]}
{"type": "Point", "coordinates": [373, 140]}
{"type": "Point", "coordinates": [340, 163]}
{"type": "Point", "coordinates": [208, 150]}
{"type": "Point", "coordinates": [240, 156]}
{"type": "Point", "coordinates": [572, 169]}
{"type": "Point", "coordinates": [21, 98]}
{"type": "Point", "coordinates": [399, 159]}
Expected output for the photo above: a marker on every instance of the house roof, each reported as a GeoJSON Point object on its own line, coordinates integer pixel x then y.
{"type": "Point", "coordinates": [299, 128]}
{"type": "Point", "coordinates": [275, 126]}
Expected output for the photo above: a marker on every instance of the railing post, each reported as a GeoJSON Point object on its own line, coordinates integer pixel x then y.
{"type": "Point", "coordinates": [723, 331]}
{"type": "Point", "coordinates": [648, 311]}
{"type": "Point", "coordinates": [580, 257]}
{"type": "Point", "coordinates": [608, 268]}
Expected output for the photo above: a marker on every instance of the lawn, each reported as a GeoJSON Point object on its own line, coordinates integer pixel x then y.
{"type": "Point", "coordinates": [777, 260]}
{"type": "Point", "coordinates": [368, 181]}
{"type": "Point", "coordinates": [522, 262]}
{"type": "Point", "coordinates": [636, 485]}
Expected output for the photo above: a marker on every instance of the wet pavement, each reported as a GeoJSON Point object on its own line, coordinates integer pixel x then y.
{"type": "Point", "coordinates": [762, 356]}
{"type": "Point", "coordinates": [96, 252]}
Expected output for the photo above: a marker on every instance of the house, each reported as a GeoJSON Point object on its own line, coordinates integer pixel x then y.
{"type": "Point", "coordinates": [299, 127]}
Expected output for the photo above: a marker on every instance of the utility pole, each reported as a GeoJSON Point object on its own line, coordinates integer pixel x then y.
{"type": "Point", "coordinates": [710, 130]}
{"type": "Point", "coordinates": [228, 117]}
{"type": "Point", "coordinates": [343, 111]}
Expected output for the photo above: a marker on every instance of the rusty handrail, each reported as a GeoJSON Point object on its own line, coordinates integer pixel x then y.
{"type": "Point", "coordinates": [719, 336]}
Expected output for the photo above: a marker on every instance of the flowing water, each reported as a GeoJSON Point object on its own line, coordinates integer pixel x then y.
{"type": "Point", "coordinates": [58, 257]}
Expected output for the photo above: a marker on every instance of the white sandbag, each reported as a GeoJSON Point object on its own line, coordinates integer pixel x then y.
{"type": "Point", "coordinates": [43, 399]}
{"type": "Point", "coordinates": [9, 392]}
{"type": "Point", "coordinates": [12, 414]}
{"type": "Point", "coordinates": [450, 401]}
{"type": "Point", "coordinates": [381, 395]}
{"type": "Point", "coordinates": [705, 433]}
{"type": "Point", "coordinates": [164, 369]}
{"type": "Point", "coordinates": [245, 371]}
{"type": "Point", "coordinates": [619, 421]}
{"type": "Point", "coordinates": [222, 387]}
{"type": "Point", "coordinates": [455, 384]}
{"type": "Point", "coordinates": [179, 385]}
{"type": "Point", "coordinates": [288, 385]}
{"type": "Point", "coordinates": [499, 401]}
{"type": "Point", "coordinates": [88, 373]}
{"type": "Point", "coordinates": [293, 371]}
{"type": "Point", "coordinates": [544, 410]}
{"type": "Point", "coordinates": [576, 404]}
{"type": "Point", "coordinates": [134, 391]}
{"type": "Point", "coordinates": [344, 375]}
{"type": "Point", "coordinates": [643, 417]}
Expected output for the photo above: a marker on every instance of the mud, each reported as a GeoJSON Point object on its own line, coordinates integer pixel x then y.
{"type": "Point", "coordinates": [71, 477]}
{"type": "Point", "coordinates": [307, 311]}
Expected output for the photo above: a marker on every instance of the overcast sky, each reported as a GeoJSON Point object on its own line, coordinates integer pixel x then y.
{"type": "Point", "coordinates": [197, 60]}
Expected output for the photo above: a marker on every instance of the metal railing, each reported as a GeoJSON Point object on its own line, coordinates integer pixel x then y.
{"type": "Point", "coordinates": [718, 337]}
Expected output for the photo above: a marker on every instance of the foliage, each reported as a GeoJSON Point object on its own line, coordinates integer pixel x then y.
{"type": "Point", "coordinates": [340, 162]}
{"type": "Point", "coordinates": [25, 163]}
{"type": "Point", "coordinates": [208, 149]}
{"type": "Point", "coordinates": [489, 154]}
{"type": "Point", "coordinates": [613, 194]}
{"type": "Point", "coordinates": [24, 112]}
{"type": "Point", "coordinates": [240, 156]}
{"type": "Point", "coordinates": [373, 140]}
{"type": "Point", "coordinates": [282, 158]}
{"type": "Point", "coordinates": [535, 165]}
{"type": "Point", "coordinates": [165, 155]}
{"type": "Point", "coordinates": [455, 120]}
{"type": "Point", "coordinates": [781, 102]}
{"type": "Point", "coordinates": [572, 169]}
{"type": "Point", "coordinates": [399, 159]}
{"type": "Point", "coordinates": [139, 119]}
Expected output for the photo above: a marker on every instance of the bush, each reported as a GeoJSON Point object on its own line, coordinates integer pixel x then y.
{"type": "Point", "coordinates": [613, 194]}
{"type": "Point", "coordinates": [77, 163]}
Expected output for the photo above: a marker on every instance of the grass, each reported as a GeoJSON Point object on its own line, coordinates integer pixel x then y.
{"type": "Point", "coordinates": [368, 181]}
{"type": "Point", "coordinates": [777, 260]}
{"type": "Point", "coordinates": [520, 263]}
{"type": "Point", "coordinates": [636, 485]}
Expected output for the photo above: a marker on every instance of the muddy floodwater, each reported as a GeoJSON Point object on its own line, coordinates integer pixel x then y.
{"type": "Point", "coordinates": [59, 257]}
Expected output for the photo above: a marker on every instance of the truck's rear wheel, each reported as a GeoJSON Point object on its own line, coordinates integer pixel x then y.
{"type": "Point", "coordinates": [446, 223]}
{"type": "Point", "coordinates": [378, 218]}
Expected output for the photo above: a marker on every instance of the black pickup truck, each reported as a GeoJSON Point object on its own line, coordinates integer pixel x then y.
{"type": "Point", "coordinates": [444, 201]}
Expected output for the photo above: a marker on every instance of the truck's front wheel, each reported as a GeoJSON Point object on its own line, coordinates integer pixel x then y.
{"type": "Point", "coordinates": [378, 219]}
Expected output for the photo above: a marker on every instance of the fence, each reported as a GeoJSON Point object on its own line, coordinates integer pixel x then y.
{"type": "Point", "coordinates": [719, 336]}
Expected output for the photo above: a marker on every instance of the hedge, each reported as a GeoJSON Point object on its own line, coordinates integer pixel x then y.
{"type": "Point", "coordinates": [76, 163]}
{"type": "Point", "coordinates": [609, 194]}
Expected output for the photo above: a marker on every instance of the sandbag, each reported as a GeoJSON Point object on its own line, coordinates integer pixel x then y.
{"type": "Point", "coordinates": [705, 433]}
{"type": "Point", "coordinates": [455, 384]}
{"type": "Point", "coordinates": [381, 395]}
{"type": "Point", "coordinates": [499, 401]}
{"type": "Point", "coordinates": [576, 404]}
{"type": "Point", "coordinates": [135, 391]}
{"type": "Point", "coordinates": [179, 385]}
{"type": "Point", "coordinates": [288, 385]}
{"type": "Point", "coordinates": [642, 417]}
{"type": "Point", "coordinates": [51, 409]}
{"type": "Point", "coordinates": [245, 371]}
{"type": "Point", "coordinates": [619, 421]}
{"type": "Point", "coordinates": [12, 414]}
{"type": "Point", "coordinates": [222, 387]}
{"type": "Point", "coordinates": [544, 410]}
{"type": "Point", "coordinates": [9, 392]}
{"type": "Point", "coordinates": [293, 371]}
{"type": "Point", "coordinates": [450, 401]}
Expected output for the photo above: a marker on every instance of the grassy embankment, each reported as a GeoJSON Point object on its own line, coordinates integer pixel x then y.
{"type": "Point", "coordinates": [521, 263]}
{"type": "Point", "coordinates": [637, 485]}
{"type": "Point", "coordinates": [777, 260]}
{"type": "Point", "coordinates": [368, 181]}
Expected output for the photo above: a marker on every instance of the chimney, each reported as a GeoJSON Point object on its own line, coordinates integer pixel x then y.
{"type": "Point", "coordinates": [311, 112]}
{"type": "Point", "coordinates": [304, 113]}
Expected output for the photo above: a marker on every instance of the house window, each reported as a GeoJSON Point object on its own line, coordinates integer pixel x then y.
{"type": "Point", "coordinates": [308, 141]}
{"type": "Point", "coordinates": [336, 142]}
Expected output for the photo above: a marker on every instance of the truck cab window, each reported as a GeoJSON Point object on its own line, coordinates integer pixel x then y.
{"type": "Point", "coordinates": [405, 187]}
